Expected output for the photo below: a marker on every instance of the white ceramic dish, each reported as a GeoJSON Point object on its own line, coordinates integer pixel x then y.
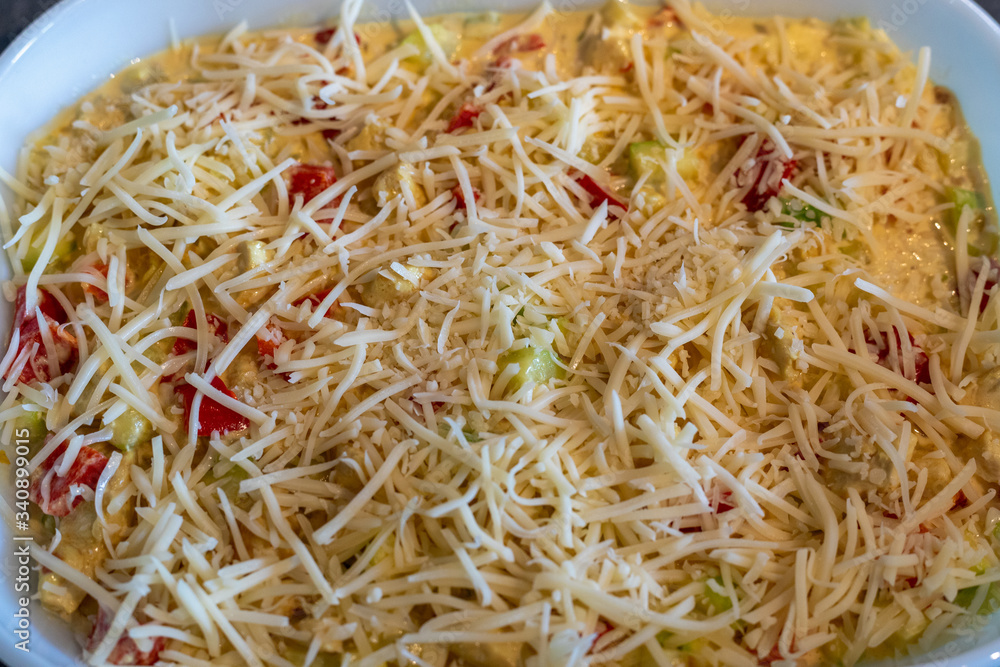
{"type": "Point", "coordinates": [79, 43]}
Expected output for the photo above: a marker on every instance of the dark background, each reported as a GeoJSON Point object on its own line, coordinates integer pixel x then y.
{"type": "Point", "coordinates": [15, 15]}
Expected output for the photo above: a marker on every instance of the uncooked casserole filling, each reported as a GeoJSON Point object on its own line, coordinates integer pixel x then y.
{"type": "Point", "coordinates": [630, 336]}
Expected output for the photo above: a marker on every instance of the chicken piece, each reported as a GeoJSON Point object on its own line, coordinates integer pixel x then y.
{"type": "Point", "coordinates": [984, 391]}
{"type": "Point", "coordinates": [130, 429]}
{"type": "Point", "coordinates": [868, 470]}
{"type": "Point", "coordinates": [400, 180]}
{"type": "Point", "coordinates": [606, 42]}
{"type": "Point", "coordinates": [250, 255]}
{"type": "Point", "coordinates": [985, 450]}
{"type": "Point", "coordinates": [82, 545]}
{"type": "Point", "coordinates": [781, 344]}
{"type": "Point", "coordinates": [938, 471]}
{"type": "Point", "coordinates": [390, 285]}
{"type": "Point", "coordinates": [370, 138]}
{"type": "Point", "coordinates": [243, 373]}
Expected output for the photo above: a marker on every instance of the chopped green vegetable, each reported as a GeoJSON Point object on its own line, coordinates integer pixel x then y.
{"type": "Point", "coordinates": [694, 646]}
{"type": "Point", "coordinates": [444, 430]}
{"type": "Point", "coordinates": [64, 248]}
{"type": "Point", "coordinates": [718, 601]}
{"type": "Point", "coordinates": [961, 198]}
{"type": "Point", "coordinates": [229, 482]}
{"type": "Point", "coordinates": [447, 40]}
{"type": "Point", "coordinates": [990, 603]}
{"type": "Point", "coordinates": [296, 655]}
{"type": "Point", "coordinates": [535, 364]}
{"type": "Point", "coordinates": [800, 211]}
{"type": "Point", "coordinates": [34, 424]}
{"type": "Point", "coordinates": [983, 235]}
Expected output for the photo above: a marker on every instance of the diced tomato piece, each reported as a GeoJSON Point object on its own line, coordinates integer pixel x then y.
{"type": "Point", "coordinates": [627, 68]}
{"type": "Point", "coordinates": [126, 651]}
{"type": "Point", "coordinates": [992, 266]}
{"type": "Point", "coordinates": [464, 117]}
{"type": "Point", "coordinates": [317, 298]}
{"type": "Point", "coordinates": [461, 204]}
{"type": "Point", "coordinates": [213, 416]}
{"type": "Point", "coordinates": [764, 177]}
{"type": "Point", "coordinates": [317, 105]}
{"type": "Point", "coordinates": [328, 133]}
{"type": "Point", "coordinates": [269, 339]}
{"type": "Point", "coordinates": [598, 194]}
{"type": "Point", "coordinates": [29, 329]}
{"type": "Point", "coordinates": [519, 44]}
{"type": "Point", "coordinates": [309, 180]}
{"type": "Point", "coordinates": [46, 303]}
{"type": "Point", "coordinates": [603, 628]}
{"type": "Point", "coordinates": [771, 657]}
{"type": "Point", "coordinates": [418, 406]}
{"type": "Point", "coordinates": [99, 269]}
{"type": "Point", "coordinates": [325, 35]}
{"type": "Point", "coordinates": [216, 325]}
{"type": "Point", "coordinates": [921, 363]}
{"type": "Point", "coordinates": [57, 495]}
{"type": "Point", "coordinates": [724, 505]}
{"type": "Point", "coordinates": [664, 16]}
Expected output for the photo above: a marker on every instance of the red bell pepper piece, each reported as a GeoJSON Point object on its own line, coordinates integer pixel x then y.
{"type": "Point", "coordinates": [324, 36]}
{"type": "Point", "coordinates": [723, 504]}
{"type": "Point", "coordinates": [460, 203]}
{"type": "Point", "coordinates": [464, 117]}
{"type": "Point", "coordinates": [317, 105]}
{"type": "Point", "coordinates": [921, 363]}
{"type": "Point", "coordinates": [769, 169]}
{"type": "Point", "coordinates": [269, 339]}
{"type": "Point", "coordinates": [56, 495]}
{"type": "Point", "coordinates": [215, 324]}
{"type": "Point", "coordinates": [519, 44]}
{"type": "Point", "coordinates": [664, 16]}
{"type": "Point", "coordinates": [993, 276]}
{"type": "Point", "coordinates": [328, 133]}
{"type": "Point", "coordinates": [213, 416]}
{"type": "Point", "coordinates": [126, 651]}
{"type": "Point", "coordinates": [316, 298]}
{"type": "Point", "coordinates": [29, 328]}
{"type": "Point", "coordinates": [309, 180]}
{"type": "Point", "coordinates": [99, 269]}
{"type": "Point", "coordinates": [598, 194]}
